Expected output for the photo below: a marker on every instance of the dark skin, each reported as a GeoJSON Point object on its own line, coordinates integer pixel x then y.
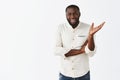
{"type": "Point", "coordinates": [73, 15]}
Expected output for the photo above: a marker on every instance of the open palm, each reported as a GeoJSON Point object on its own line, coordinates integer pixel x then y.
{"type": "Point", "coordinates": [93, 29]}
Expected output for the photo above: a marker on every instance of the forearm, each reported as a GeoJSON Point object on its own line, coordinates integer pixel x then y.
{"type": "Point", "coordinates": [74, 52]}
{"type": "Point", "coordinates": [91, 44]}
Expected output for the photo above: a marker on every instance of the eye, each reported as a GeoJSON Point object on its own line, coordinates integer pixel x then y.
{"type": "Point", "coordinates": [69, 14]}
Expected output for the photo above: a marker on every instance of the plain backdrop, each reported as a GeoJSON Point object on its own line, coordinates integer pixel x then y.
{"type": "Point", "coordinates": [27, 30]}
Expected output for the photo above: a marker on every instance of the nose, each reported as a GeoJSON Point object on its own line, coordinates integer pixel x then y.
{"type": "Point", "coordinates": [72, 16]}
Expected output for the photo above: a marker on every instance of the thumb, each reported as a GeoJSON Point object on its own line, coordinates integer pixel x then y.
{"type": "Point", "coordinates": [92, 25]}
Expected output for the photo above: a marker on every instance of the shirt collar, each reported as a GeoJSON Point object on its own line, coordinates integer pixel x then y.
{"type": "Point", "coordinates": [68, 25]}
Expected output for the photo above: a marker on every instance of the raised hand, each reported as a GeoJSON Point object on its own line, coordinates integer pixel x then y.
{"type": "Point", "coordinates": [93, 29]}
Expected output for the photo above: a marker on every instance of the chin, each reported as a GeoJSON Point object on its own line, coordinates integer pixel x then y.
{"type": "Point", "coordinates": [73, 23]}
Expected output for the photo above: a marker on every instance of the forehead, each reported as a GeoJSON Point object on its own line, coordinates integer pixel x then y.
{"type": "Point", "coordinates": [72, 9]}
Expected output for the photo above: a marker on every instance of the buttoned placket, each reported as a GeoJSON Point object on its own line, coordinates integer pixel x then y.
{"type": "Point", "coordinates": [73, 67]}
{"type": "Point", "coordinates": [72, 62]}
{"type": "Point", "coordinates": [73, 39]}
{"type": "Point", "coordinates": [72, 46]}
{"type": "Point", "coordinates": [73, 31]}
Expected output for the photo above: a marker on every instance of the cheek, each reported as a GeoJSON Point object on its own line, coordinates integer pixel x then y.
{"type": "Point", "coordinates": [68, 17]}
{"type": "Point", "coordinates": [77, 15]}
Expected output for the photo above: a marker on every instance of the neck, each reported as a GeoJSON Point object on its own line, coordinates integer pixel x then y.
{"type": "Point", "coordinates": [75, 25]}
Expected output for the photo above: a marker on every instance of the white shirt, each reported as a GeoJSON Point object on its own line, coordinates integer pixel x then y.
{"type": "Point", "coordinates": [67, 39]}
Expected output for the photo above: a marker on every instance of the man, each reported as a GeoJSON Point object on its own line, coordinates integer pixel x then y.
{"type": "Point", "coordinates": [74, 44]}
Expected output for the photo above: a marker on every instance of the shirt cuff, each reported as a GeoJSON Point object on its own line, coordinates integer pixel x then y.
{"type": "Point", "coordinates": [89, 52]}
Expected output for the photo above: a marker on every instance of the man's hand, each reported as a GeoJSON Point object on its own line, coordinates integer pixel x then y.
{"type": "Point", "coordinates": [93, 29]}
{"type": "Point", "coordinates": [73, 52]}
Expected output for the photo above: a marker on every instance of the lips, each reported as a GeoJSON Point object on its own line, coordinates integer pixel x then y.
{"type": "Point", "coordinates": [73, 20]}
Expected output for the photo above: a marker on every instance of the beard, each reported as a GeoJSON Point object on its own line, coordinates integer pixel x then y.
{"type": "Point", "coordinates": [73, 22]}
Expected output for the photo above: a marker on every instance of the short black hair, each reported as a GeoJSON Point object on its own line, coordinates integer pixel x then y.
{"type": "Point", "coordinates": [72, 6]}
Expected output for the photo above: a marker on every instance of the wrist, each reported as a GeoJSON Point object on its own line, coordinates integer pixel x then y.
{"type": "Point", "coordinates": [82, 50]}
{"type": "Point", "coordinates": [90, 36]}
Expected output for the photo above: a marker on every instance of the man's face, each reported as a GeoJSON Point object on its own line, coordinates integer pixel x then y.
{"type": "Point", "coordinates": [72, 15]}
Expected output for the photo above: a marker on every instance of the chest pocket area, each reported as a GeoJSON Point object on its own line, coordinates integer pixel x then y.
{"type": "Point", "coordinates": [79, 40]}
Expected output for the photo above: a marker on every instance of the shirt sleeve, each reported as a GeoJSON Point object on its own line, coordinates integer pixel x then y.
{"type": "Point", "coordinates": [89, 52]}
{"type": "Point", "coordinates": [59, 49]}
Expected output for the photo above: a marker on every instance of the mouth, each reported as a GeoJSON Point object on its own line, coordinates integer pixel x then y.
{"type": "Point", "coordinates": [73, 21]}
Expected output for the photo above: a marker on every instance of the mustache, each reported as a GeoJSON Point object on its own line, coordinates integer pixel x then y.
{"type": "Point", "coordinates": [76, 20]}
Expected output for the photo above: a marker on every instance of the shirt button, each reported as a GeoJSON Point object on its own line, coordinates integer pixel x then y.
{"type": "Point", "coordinates": [72, 68]}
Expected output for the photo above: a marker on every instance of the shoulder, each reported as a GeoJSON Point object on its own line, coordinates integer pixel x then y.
{"type": "Point", "coordinates": [84, 24]}
{"type": "Point", "coordinates": [61, 26]}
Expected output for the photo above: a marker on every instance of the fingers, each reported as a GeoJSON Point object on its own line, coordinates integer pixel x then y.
{"type": "Point", "coordinates": [92, 25]}
{"type": "Point", "coordinates": [101, 25]}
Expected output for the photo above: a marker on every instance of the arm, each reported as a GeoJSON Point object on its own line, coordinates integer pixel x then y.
{"type": "Point", "coordinates": [93, 30]}
{"type": "Point", "coordinates": [73, 52]}
{"type": "Point", "coordinates": [91, 44]}
{"type": "Point", "coordinates": [90, 48]}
